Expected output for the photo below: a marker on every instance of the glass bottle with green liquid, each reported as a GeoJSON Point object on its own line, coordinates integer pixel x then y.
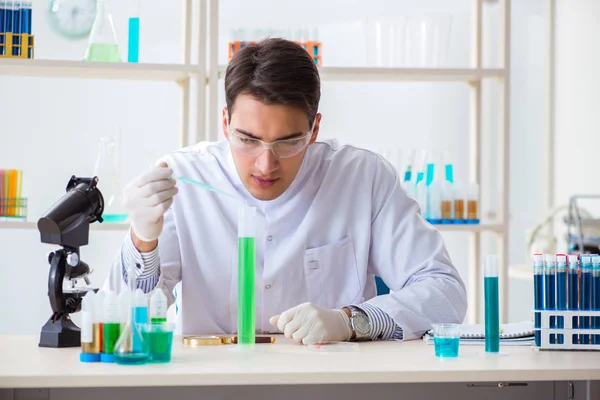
{"type": "Point", "coordinates": [103, 45]}
{"type": "Point", "coordinates": [246, 274]}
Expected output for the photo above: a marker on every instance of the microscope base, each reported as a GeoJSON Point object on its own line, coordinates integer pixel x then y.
{"type": "Point", "coordinates": [60, 333]}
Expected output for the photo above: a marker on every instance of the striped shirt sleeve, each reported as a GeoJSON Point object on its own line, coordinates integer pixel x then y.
{"type": "Point", "coordinates": [383, 326]}
{"type": "Point", "coordinates": [146, 266]}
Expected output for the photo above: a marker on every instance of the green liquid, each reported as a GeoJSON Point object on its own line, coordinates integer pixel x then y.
{"type": "Point", "coordinates": [110, 335]}
{"type": "Point", "coordinates": [492, 317]}
{"type": "Point", "coordinates": [114, 218]}
{"type": "Point", "coordinates": [159, 345]}
{"type": "Point", "coordinates": [246, 268]}
{"type": "Point", "coordinates": [158, 320]}
{"type": "Point", "coordinates": [131, 358]}
{"type": "Point", "coordinates": [446, 347]}
{"type": "Point", "coordinates": [102, 52]}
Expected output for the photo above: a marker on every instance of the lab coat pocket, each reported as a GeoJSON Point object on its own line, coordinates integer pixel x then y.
{"type": "Point", "coordinates": [331, 274]}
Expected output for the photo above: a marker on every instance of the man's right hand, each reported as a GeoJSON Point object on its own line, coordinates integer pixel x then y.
{"type": "Point", "coordinates": [146, 199]}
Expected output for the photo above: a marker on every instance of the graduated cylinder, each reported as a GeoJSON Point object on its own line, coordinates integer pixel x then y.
{"type": "Point", "coordinates": [246, 274]}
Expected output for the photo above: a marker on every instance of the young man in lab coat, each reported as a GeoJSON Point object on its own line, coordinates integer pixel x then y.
{"type": "Point", "coordinates": [330, 219]}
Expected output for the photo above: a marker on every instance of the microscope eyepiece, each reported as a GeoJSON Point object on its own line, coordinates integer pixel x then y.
{"type": "Point", "coordinates": [66, 223]}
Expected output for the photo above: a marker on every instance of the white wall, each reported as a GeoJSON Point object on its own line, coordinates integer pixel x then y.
{"type": "Point", "coordinates": [577, 101]}
{"type": "Point", "coordinates": [69, 115]}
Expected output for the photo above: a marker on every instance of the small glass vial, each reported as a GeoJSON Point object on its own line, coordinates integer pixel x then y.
{"type": "Point", "coordinates": [459, 204]}
{"type": "Point", "coordinates": [473, 204]}
{"type": "Point", "coordinates": [90, 343]}
{"type": "Point", "coordinates": [447, 197]}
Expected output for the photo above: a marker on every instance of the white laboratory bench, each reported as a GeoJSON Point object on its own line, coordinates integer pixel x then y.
{"type": "Point", "coordinates": [377, 368]}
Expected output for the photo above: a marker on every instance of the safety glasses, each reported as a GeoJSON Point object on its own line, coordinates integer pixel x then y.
{"type": "Point", "coordinates": [255, 147]}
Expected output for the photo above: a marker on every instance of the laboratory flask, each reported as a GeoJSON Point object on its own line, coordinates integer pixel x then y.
{"type": "Point", "coordinates": [103, 44]}
{"type": "Point", "coordinates": [131, 348]}
{"type": "Point", "coordinates": [107, 171]}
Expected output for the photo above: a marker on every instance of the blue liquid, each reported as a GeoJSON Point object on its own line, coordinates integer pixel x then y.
{"type": "Point", "coordinates": [586, 304]}
{"type": "Point", "coordinates": [449, 173]}
{"type": "Point", "coordinates": [204, 186]}
{"type": "Point", "coordinates": [561, 299]}
{"type": "Point", "coordinates": [492, 315]}
{"type": "Point", "coordinates": [420, 176]}
{"type": "Point", "coordinates": [114, 218]}
{"type": "Point", "coordinates": [538, 304]}
{"type": "Point", "coordinates": [550, 287]}
{"type": "Point", "coordinates": [2, 29]}
{"type": "Point", "coordinates": [140, 315]}
{"type": "Point", "coordinates": [573, 303]}
{"type": "Point", "coordinates": [407, 176]}
{"type": "Point", "coordinates": [430, 172]}
{"type": "Point", "coordinates": [133, 44]}
{"type": "Point", "coordinates": [596, 306]}
{"type": "Point", "coordinates": [446, 347]}
{"type": "Point", "coordinates": [131, 358]}
{"type": "Point", "coordinates": [16, 27]}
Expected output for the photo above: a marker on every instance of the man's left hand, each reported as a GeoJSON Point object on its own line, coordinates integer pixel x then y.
{"type": "Point", "coordinates": [310, 324]}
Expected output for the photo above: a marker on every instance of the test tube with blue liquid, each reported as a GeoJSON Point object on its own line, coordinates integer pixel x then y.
{"type": "Point", "coordinates": [573, 291]}
{"type": "Point", "coordinates": [596, 296]}
{"type": "Point", "coordinates": [561, 291]}
{"type": "Point", "coordinates": [2, 27]}
{"type": "Point", "coordinates": [538, 293]}
{"type": "Point", "coordinates": [133, 38]}
{"type": "Point", "coordinates": [585, 295]}
{"type": "Point", "coordinates": [492, 304]}
{"type": "Point", "coordinates": [550, 289]}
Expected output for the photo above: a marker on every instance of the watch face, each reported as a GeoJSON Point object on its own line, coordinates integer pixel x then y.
{"type": "Point", "coordinates": [361, 323]}
{"type": "Point", "coordinates": [72, 18]}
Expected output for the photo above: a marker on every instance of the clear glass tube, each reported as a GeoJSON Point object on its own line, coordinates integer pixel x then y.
{"type": "Point", "coordinates": [447, 201]}
{"type": "Point", "coordinates": [550, 289]}
{"type": "Point", "coordinates": [103, 45]}
{"type": "Point", "coordinates": [133, 37]}
{"type": "Point", "coordinates": [538, 293]}
{"type": "Point", "coordinates": [111, 326]}
{"type": "Point", "coordinates": [473, 203]}
{"type": "Point", "coordinates": [492, 309]}
{"type": "Point", "coordinates": [573, 291]}
{"type": "Point", "coordinates": [459, 203]}
{"type": "Point", "coordinates": [246, 274]}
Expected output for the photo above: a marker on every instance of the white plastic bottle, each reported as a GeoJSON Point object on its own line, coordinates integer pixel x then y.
{"type": "Point", "coordinates": [158, 307]}
{"type": "Point", "coordinates": [90, 348]}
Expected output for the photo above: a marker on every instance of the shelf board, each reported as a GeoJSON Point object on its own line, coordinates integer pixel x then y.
{"type": "Point", "coordinates": [354, 74]}
{"type": "Point", "coordinates": [95, 70]}
{"type": "Point", "coordinates": [33, 225]}
{"type": "Point", "coordinates": [498, 228]}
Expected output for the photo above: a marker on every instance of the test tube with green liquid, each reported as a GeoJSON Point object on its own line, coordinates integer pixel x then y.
{"type": "Point", "coordinates": [246, 274]}
{"type": "Point", "coordinates": [492, 313]}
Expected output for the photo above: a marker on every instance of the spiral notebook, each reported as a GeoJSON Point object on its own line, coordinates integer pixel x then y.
{"type": "Point", "coordinates": [517, 334]}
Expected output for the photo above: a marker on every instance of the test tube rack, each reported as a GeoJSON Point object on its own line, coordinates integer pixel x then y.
{"type": "Point", "coordinates": [549, 335]}
{"type": "Point", "coordinates": [312, 47]}
{"type": "Point", "coordinates": [13, 208]}
{"type": "Point", "coordinates": [21, 43]}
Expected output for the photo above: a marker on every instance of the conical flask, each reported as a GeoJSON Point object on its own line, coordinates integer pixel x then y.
{"type": "Point", "coordinates": [103, 45]}
{"type": "Point", "coordinates": [131, 348]}
{"type": "Point", "coordinates": [107, 171]}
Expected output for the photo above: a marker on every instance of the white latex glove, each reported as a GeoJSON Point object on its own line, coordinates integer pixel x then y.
{"type": "Point", "coordinates": [146, 200]}
{"type": "Point", "coordinates": [310, 324]}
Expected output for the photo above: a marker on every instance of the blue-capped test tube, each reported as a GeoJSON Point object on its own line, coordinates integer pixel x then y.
{"type": "Point", "coordinates": [550, 289]}
{"type": "Point", "coordinates": [596, 296]}
{"type": "Point", "coordinates": [585, 295]}
{"type": "Point", "coordinates": [561, 292]}
{"type": "Point", "coordinates": [538, 293]}
{"type": "Point", "coordinates": [573, 291]}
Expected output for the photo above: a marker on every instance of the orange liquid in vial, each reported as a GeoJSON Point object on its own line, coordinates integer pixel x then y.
{"type": "Point", "coordinates": [459, 209]}
{"type": "Point", "coordinates": [472, 209]}
{"type": "Point", "coordinates": [447, 209]}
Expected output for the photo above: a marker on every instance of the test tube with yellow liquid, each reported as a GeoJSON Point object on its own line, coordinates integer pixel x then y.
{"type": "Point", "coordinates": [246, 274]}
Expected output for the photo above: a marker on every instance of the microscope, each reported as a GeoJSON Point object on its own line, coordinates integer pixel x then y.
{"type": "Point", "coordinates": [67, 224]}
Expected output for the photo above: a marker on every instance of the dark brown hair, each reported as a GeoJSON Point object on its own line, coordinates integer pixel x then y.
{"type": "Point", "coordinates": [274, 71]}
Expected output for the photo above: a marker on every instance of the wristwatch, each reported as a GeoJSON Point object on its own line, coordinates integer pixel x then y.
{"type": "Point", "coordinates": [359, 324]}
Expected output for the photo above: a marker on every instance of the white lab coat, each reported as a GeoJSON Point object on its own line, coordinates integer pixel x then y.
{"type": "Point", "coordinates": [343, 220]}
